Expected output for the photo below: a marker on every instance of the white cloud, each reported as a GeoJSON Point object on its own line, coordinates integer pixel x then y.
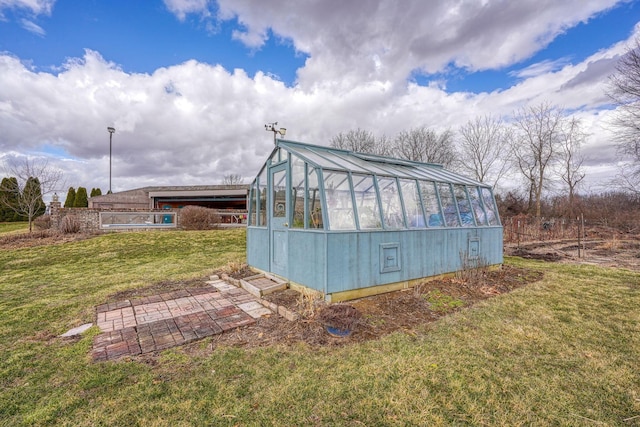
{"type": "Point", "coordinates": [37, 7]}
{"type": "Point", "coordinates": [32, 27]}
{"type": "Point", "coordinates": [386, 39]}
{"type": "Point", "coordinates": [193, 123]}
{"type": "Point", "coordinates": [181, 8]}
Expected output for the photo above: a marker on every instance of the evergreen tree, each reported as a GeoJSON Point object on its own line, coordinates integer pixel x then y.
{"type": "Point", "coordinates": [95, 192]}
{"type": "Point", "coordinates": [9, 196]}
{"type": "Point", "coordinates": [71, 198]}
{"type": "Point", "coordinates": [98, 192]}
{"type": "Point", "coordinates": [81, 198]}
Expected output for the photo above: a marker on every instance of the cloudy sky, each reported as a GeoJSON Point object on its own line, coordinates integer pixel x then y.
{"type": "Point", "coordinates": [190, 84]}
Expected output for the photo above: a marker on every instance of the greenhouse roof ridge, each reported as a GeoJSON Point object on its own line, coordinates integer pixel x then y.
{"type": "Point", "coordinates": [338, 159]}
{"type": "Point", "coordinates": [364, 156]}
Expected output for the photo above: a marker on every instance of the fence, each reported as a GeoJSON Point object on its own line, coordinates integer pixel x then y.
{"type": "Point", "coordinates": [132, 220]}
{"type": "Point", "coordinates": [90, 219]}
{"type": "Point", "coordinates": [520, 229]}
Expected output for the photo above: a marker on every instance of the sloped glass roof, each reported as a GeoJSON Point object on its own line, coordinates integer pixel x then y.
{"type": "Point", "coordinates": [344, 160]}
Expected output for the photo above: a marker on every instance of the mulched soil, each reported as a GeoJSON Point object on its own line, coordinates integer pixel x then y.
{"type": "Point", "coordinates": [379, 315]}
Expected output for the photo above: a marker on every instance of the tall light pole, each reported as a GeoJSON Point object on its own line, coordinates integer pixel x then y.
{"type": "Point", "coordinates": [272, 128]}
{"type": "Point", "coordinates": [111, 132]}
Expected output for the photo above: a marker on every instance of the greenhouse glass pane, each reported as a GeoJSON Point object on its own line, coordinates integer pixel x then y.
{"type": "Point", "coordinates": [362, 164]}
{"type": "Point", "coordinates": [253, 204]}
{"type": "Point", "coordinates": [476, 205]}
{"type": "Point", "coordinates": [411, 198]}
{"type": "Point", "coordinates": [490, 207]}
{"type": "Point", "coordinates": [366, 202]}
{"type": "Point", "coordinates": [339, 202]}
{"type": "Point", "coordinates": [315, 158]}
{"type": "Point", "coordinates": [315, 206]}
{"type": "Point", "coordinates": [297, 192]}
{"type": "Point", "coordinates": [338, 160]}
{"type": "Point", "coordinates": [431, 206]}
{"type": "Point", "coordinates": [391, 206]}
{"type": "Point", "coordinates": [464, 207]}
{"type": "Point", "coordinates": [279, 194]}
{"type": "Point", "coordinates": [449, 205]}
{"type": "Point", "coordinates": [262, 194]}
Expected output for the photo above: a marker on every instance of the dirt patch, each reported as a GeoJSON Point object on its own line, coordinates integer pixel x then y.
{"type": "Point", "coordinates": [603, 252]}
{"type": "Point", "coordinates": [379, 315]}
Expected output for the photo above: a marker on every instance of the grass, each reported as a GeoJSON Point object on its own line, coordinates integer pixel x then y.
{"type": "Point", "coordinates": [13, 227]}
{"type": "Point", "coordinates": [562, 351]}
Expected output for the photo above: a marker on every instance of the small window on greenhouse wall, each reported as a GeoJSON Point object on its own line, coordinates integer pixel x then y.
{"type": "Point", "coordinates": [297, 191]}
{"type": "Point", "coordinates": [448, 205]}
{"type": "Point", "coordinates": [314, 206]}
{"type": "Point", "coordinates": [431, 205]}
{"type": "Point", "coordinates": [391, 206]}
{"type": "Point", "coordinates": [464, 207]}
{"type": "Point", "coordinates": [490, 206]}
{"type": "Point", "coordinates": [262, 195]}
{"type": "Point", "coordinates": [412, 205]}
{"type": "Point", "coordinates": [253, 195]}
{"type": "Point", "coordinates": [339, 202]}
{"type": "Point", "coordinates": [476, 205]}
{"type": "Point", "coordinates": [366, 202]}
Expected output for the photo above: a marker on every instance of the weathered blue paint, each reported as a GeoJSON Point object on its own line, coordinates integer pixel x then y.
{"type": "Point", "coordinates": [341, 261]}
{"type": "Point", "coordinates": [332, 261]}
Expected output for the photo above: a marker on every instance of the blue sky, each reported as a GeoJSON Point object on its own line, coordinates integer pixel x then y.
{"type": "Point", "coordinates": [183, 81]}
{"type": "Point", "coordinates": [139, 36]}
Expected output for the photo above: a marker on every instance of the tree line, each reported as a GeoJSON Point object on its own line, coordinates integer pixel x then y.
{"type": "Point", "coordinates": [541, 143]}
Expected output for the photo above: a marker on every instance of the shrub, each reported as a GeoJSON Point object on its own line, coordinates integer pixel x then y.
{"type": "Point", "coordinates": [43, 222]}
{"type": "Point", "coordinates": [69, 225]}
{"type": "Point", "coordinates": [198, 218]}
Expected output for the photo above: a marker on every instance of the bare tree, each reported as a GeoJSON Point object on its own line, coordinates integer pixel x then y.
{"type": "Point", "coordinates": [624, 91]}
{"type": "Point", "coordinates": [359, 140]}
{"type": "Point", "coordinates": [383, 146]}
{"type": "Point", "coordinates": [538, 135]}
{"type": "Point", "coordinates": [571, 159]}
{"type": "Point", "coordinates": [425, 145]}
{"type": "Point", "coordinates": [35, 178]}
{"type": "Point", "coordinates": [232, 179]}
{"type": "Point", "coordinates": [483, 148]}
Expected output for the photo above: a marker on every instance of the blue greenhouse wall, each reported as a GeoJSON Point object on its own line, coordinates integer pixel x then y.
{"type": "Point", "coordinates": [343, 261]}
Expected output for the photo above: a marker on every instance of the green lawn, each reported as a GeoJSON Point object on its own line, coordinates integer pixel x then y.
{"type": "Point", "coordinates": [562, 351]}
{"type": "Point", "coordinates": [12, 227]}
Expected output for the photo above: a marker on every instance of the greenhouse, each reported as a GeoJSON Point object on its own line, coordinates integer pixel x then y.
{"type": "Point", "coordinates": [350, 224]}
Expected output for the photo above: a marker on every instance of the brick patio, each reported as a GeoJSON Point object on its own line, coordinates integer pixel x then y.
{"type": "Point", "coordinates": [149, 324]}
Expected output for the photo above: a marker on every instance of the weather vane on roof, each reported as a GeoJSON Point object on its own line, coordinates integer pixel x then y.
{"type": "Point", "coordinates": [272, 128]}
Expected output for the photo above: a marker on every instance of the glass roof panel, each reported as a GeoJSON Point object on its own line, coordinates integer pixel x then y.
{"type": "Point", "coordinates": [368, 166]}
{"type": "Point", "coordinates": [314, 158]}
{"type": "Point", "coordinates": [337, 159]}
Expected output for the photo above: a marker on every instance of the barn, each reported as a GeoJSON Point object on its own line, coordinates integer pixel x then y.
{"type": "Point", "coordinates": [351, 224]}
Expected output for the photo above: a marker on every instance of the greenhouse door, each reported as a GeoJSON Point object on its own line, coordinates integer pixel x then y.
{"type": "Point", "coordinates": [278, 222]}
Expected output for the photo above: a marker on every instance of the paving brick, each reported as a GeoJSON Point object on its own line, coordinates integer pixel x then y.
{"type": "Point", "coordinates": [251, 305]}
{"type": "Point", "coordinates": [102, 308]}
{"type": "Point", "coordinates": [259, 312]}
{"type": "Point", "coordinates": [158, 322]}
